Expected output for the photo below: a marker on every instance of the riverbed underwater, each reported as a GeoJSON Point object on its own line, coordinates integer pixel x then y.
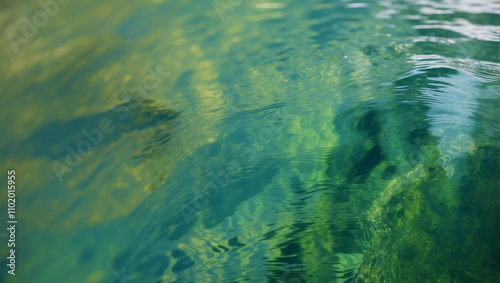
{"type": "Point", "coordinates": [251, 141]}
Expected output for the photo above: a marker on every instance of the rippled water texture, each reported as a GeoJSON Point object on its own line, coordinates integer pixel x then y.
{"type": "Point", "coordinates": [251, 141]}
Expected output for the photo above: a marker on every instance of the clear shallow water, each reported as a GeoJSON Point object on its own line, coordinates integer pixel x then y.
{"type": "Point", "coordinates": [291, 141]}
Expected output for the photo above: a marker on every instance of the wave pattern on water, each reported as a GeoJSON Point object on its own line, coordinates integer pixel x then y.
{"type": "Point", "coordinates": [291, 141]}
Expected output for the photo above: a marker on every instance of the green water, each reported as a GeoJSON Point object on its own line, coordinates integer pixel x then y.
{"type": "Point", "coordinates": [251, 141]}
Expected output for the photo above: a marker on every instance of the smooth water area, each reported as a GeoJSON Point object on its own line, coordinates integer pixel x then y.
{"type": "Point", "coordinates": [252, 141]}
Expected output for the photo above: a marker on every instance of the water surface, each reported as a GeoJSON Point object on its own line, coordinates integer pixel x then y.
{"type": "Point", "coordinates": [253, 141]}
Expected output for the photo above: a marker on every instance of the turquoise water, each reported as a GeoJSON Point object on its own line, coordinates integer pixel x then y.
{"type": "Point", "coordinates": [252, 141]}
